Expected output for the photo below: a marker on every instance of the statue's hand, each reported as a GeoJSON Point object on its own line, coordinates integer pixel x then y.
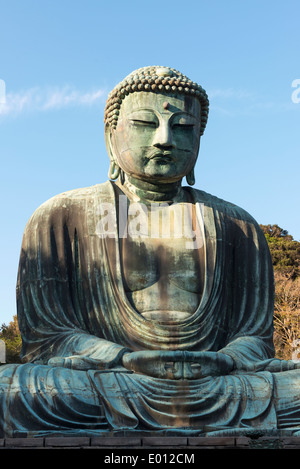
{"type": "Point", "coordinates": [178, 364]}
{"type": "Point", "coordinates": [276, 365]}
{"type": "Point", "coordinates": [76, 362]}
{"type": "Point", "coordinates": [212, 363]}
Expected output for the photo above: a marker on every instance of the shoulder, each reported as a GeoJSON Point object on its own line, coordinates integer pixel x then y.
{"type": "Point", "coordinates": [74, 195]}
{"type": "Point", "coordinates": [224, 207]}
{"type": "Point", "coordinates": [65, 203]}
{"type": "Point", "coordinates": [232, 218]}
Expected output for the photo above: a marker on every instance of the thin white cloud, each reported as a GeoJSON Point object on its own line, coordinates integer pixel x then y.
{"type": "Point", "coordinates": [230, 93]}
{"type": "Point", "coordinates": [235, 102]}
{"type": "Point", "coordinates": [230, 101]}
{"type": "Point", "coordinates": [46, 99]}
{"type": "Point", "coordinates": [55, 98]}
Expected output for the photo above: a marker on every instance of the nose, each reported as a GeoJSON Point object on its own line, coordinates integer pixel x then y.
{"type": "Point", "coordinates": [164, 136]}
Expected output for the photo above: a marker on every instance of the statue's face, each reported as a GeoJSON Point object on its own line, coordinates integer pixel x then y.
{"type": "Point", "coordinates": [157, 136]}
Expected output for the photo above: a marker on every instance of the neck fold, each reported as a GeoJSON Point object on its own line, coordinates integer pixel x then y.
{"type": "Point", "coordinates": [138, 190]}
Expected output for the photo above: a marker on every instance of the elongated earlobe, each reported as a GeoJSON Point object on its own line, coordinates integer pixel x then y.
{"type": "Point", "coordinates": [190, 177]}
{"type": "Point", "coordinates": [114, 171]}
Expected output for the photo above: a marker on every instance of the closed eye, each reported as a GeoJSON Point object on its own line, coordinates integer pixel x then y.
{"type": "Point", "coordinates": [183, 126]}
{"type": "Point", "coordinates": [143, 122]}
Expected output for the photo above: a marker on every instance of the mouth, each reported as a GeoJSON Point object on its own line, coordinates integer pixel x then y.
{"type": "Point", "coordinates": [162, 156]}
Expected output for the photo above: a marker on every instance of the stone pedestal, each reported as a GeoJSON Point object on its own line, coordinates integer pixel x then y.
{"type": "Point", "coordinates": [153, 443]}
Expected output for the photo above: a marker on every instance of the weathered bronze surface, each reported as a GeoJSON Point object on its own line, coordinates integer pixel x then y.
{"type": "Point", "coordinates": [144, 305]}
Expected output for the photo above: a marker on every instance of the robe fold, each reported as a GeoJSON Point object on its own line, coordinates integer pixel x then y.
{"type": "Point", "coordinates": [72, 302]}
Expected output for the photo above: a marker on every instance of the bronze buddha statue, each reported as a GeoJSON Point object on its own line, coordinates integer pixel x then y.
{"type": "Point", "coordinates": [143, 304]}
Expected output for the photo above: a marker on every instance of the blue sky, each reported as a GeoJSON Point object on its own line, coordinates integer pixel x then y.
{"type": "Point", "coordinates": [60, 58]}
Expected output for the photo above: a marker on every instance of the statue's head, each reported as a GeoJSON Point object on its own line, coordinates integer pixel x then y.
{"type": "Point", "coordinates": [153, 123]}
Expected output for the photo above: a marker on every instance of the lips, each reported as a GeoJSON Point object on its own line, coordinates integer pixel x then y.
{"type": "Point", "coordinates": [165, 155]}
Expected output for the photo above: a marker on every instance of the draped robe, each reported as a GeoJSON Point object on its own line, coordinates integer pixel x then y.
{"type": "Point", "coordinates": [71, 301]}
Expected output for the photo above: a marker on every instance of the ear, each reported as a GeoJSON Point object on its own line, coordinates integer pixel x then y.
{"type": "Point", "coordinates": [114, 170]}
{"type": "Point", "coordinates": [190, 177]}
{"type": "Point", "coordinates": [108, 142]}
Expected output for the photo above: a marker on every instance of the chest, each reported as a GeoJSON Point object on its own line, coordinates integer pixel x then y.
{"type": "Point", "coordinates": [164, 245]}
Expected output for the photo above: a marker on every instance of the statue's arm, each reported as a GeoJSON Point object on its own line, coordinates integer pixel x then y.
{"type": "Point", "coordinates": [55, 309]}
{"type": "Point", "coordinates": [247, 355]}
{"type": "Point", "coordinates": [249, 292]}
{"type": "Point", "coordinates": [84, 351]}
{"type": "Point", "coordinates": [71, 348]}
{"type": "Point", "coordinates": [246, 352]}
